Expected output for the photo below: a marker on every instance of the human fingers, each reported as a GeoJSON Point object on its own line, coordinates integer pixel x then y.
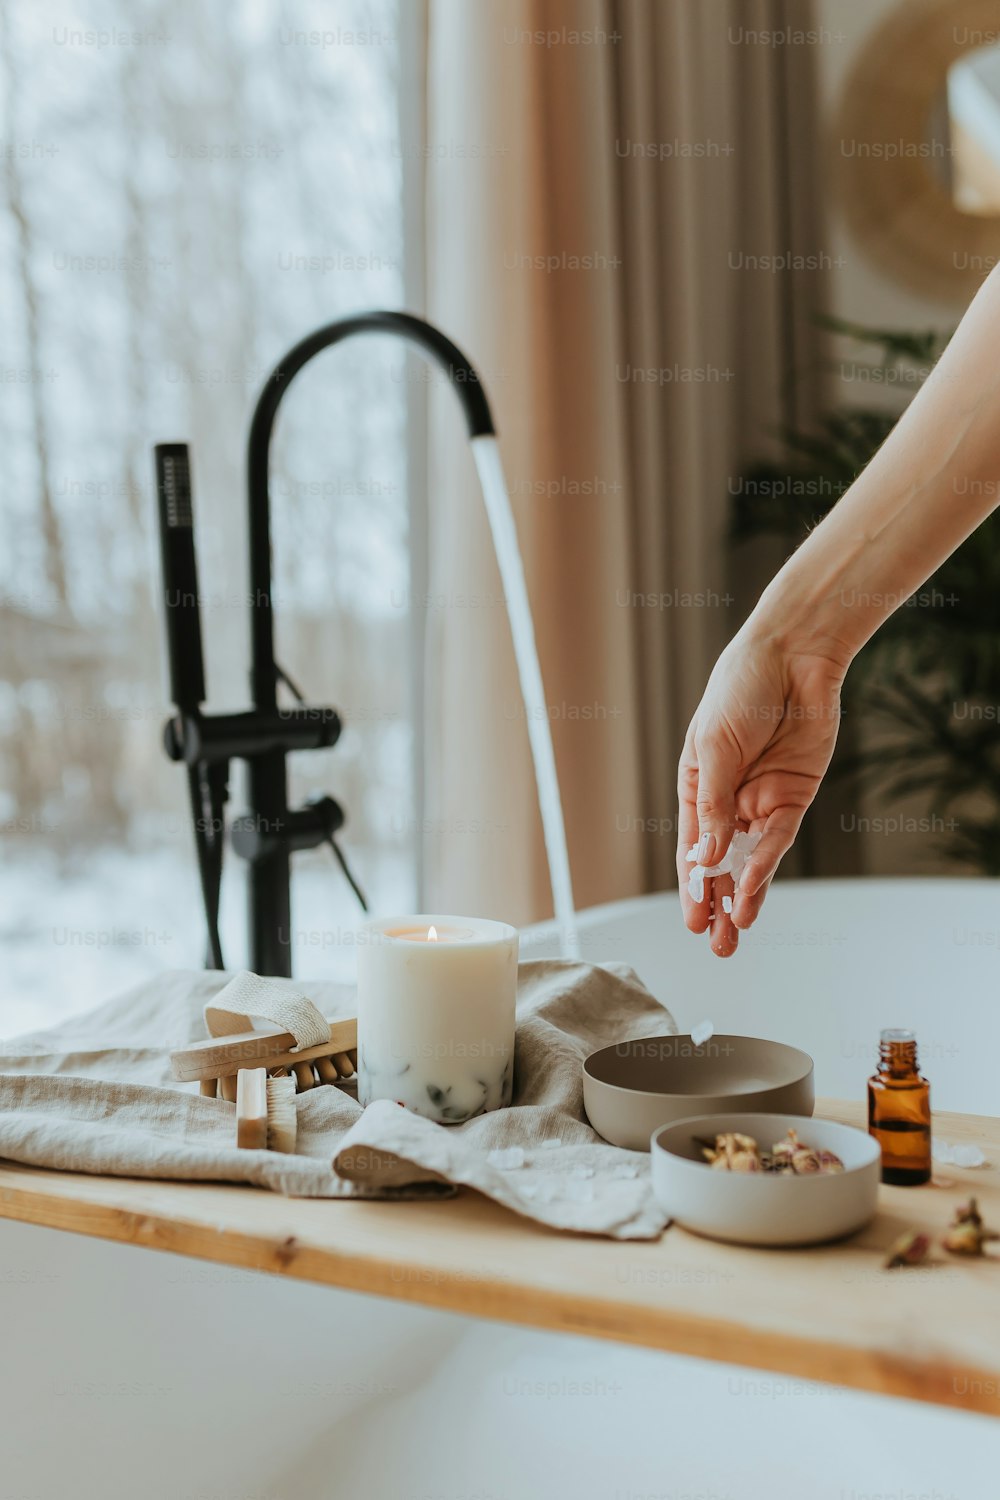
{"type": "Point", "coordinates": [725, 938]}
{"type": "Point", "coordinates": [779, 835]}
{"type": "Point", "coordinates": [718, 773]}
{"type": "Point", "coordinates": [697, 914]}
{"type": "Point", "coordinates": [746, 909]}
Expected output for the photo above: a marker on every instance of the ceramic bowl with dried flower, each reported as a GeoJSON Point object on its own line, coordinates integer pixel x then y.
{"type": "Point", "coordinates": [766, 1179]}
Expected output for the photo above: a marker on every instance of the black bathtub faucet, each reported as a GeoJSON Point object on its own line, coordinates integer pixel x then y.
{"type": "Point", "coordinates": [265, 734]}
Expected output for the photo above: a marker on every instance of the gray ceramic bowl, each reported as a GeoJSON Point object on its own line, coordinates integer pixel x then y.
{"type": "Point", "coordinates": [758, 1208]}
{"type": "Point", "coordinates": [630, 1089]}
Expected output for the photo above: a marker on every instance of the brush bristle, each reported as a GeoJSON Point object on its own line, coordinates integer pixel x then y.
{"type": "Point", "coordinates": [281, 1117]}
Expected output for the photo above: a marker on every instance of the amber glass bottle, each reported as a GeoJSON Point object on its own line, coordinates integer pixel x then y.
{"type": "Point", "coordinates": [899, 1111]}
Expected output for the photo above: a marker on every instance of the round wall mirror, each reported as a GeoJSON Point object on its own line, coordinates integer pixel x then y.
{"type": "Point", "coordinates": [916, 145]}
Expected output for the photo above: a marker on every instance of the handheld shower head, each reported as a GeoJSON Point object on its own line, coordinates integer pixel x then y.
{"type": "Point", "coordinates": [180, 576]}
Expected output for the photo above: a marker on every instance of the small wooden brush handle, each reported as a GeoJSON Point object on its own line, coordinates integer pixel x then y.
{"type": "Point", "coordinates": [222, 1058]}
{"type": "Point", "coordinates": [251, 1109]}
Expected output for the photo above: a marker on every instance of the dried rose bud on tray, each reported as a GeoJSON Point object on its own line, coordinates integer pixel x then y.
{"type": "Point", "coordinates": [909, 1250]}
{"type": "Point", "coordinates": [968, 1234]}
{"type": "Point", "coordinates": [733, 1152]}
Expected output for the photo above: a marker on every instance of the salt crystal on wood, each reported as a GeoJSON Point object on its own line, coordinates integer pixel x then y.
{"type": "Point", "coordinates": [968, 1156]}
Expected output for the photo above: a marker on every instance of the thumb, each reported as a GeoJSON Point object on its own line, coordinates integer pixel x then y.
{"type": "Point", "coordinates": [718, 768]}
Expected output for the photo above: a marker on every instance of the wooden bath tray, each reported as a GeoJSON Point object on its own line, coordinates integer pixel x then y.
{"type": "Point", "coordinates": [828, 1314]}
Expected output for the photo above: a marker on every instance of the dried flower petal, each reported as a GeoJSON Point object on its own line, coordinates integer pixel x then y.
{"type": "Point", "coordinates": [735, 1139]}
{"type": "Point", "coordinates": [963, 1239]}
{"type": "Point", "coordinates": [792, 1154]}
{"type": "Point", "coordinates": [909, 1250]}
{"type": "Point", "coordinates": [734, 1152]}
{"type": "Point", "coordinates": [967, 1233]}
{"type": "Point", "coordinates": [783, 1151]}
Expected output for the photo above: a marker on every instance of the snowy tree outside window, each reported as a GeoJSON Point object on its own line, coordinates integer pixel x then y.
{"type": "Point", "coordinates": [186, 189]}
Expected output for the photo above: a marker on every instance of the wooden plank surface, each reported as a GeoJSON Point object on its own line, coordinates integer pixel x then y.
{"type": "Point", "coordinates": [824, 1314]}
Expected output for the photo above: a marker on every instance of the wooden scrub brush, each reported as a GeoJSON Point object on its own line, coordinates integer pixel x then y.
{"type": "Point", "coordinates": [300, 1044]}
{"type": "Point", "coordinates": [265, 1111]}
{"type": "Point", "coordinates": [216, 1062]}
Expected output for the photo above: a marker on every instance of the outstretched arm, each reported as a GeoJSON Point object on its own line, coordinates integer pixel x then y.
{"type": "Point", "coordinates": [763, 735]}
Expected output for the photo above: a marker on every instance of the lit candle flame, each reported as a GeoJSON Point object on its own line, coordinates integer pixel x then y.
{"type": "Point", "coordinates": [432, 934]}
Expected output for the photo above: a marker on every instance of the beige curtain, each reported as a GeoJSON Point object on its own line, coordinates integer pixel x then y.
{"type": "Point", "coordinates": [602, 180]}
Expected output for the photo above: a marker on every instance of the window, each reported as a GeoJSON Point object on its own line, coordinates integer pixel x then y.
{"type": "Point", "coordinates": [186, 190]}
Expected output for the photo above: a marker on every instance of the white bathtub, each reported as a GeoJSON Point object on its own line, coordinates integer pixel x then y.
{"type": "Point", "coordinates": [128, 1373]}
{"type": "Point", "coordinates": [828, 964]}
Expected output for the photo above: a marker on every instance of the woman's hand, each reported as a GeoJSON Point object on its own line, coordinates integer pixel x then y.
{"type": "Point", "coordinates": [754, 756]}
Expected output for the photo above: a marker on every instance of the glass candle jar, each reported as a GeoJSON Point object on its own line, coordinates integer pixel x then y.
{"type": "Point", "coordinates": [436, 999]}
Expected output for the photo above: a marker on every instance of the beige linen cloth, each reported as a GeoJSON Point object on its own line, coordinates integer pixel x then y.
{"type": "Point", "coordinates": [96, 1095]}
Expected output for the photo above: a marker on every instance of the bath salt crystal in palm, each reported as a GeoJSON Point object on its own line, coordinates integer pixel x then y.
{"type": "Point", "coordinates": [732, 863]}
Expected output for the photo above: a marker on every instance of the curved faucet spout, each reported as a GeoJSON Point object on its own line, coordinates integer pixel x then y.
{"type": "Point", "coordinates": [432, 342]}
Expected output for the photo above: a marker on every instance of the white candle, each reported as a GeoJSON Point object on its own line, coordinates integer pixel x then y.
{"type": "Point", "coordinates": [436, 1000]}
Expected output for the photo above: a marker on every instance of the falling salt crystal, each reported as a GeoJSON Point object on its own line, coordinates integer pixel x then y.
{"type": "Point", "coordinates": [507, 1158]}
{"type": "Point", "coordinates": [968, 1156]}
{"type": "Point", "coordinates": [625, 1170]}
{"type": "Point", "coordinates": [582, 1172]}
{"type": "Point", "coordinates": [727, 905]}
{"type": "Point", "coordinates": [551, 1143]}
{"type": "Point", "coordinates": [702, 1033]}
